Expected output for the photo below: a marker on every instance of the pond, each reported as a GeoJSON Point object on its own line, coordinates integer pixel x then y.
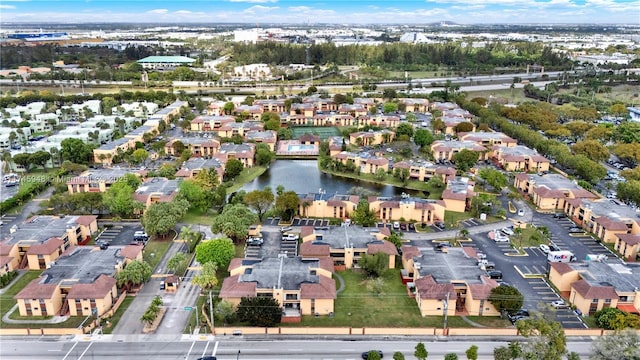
{"type": "Point", "coordinates": [303, 176]}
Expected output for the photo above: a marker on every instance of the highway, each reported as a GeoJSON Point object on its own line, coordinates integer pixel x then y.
{"type": "Point", "coordinates": [237, 348]}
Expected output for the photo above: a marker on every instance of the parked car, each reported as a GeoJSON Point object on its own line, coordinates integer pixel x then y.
{"type": "Point", "coordinates": [255, 241]}
{"type": "Point", "coordinates": [495, 274]}
{"type": "Point", "coordinates": [559, 304]}
{"type": "Point", "coordinates": [411, 227]}
{"type": "Point", "coordinates": [140, 236]}
{"type": "Point", "coordinates": [559, 215]}
{"type": "Point", "coordinates": [521, 212]}
{"type": "Point", "coordinates": [553, 248]}
{"type": "Point", "coordinates": [439, 225]}
{"type": "Point", "coordinates": [285, 229]}
{"type": "Point", "coordinates": [396, 225]}
{"type": "Point", "coordinates": [507, 231]}
{"type": "Point", "coordinates": [575, 230]}
{"type": "Point", "coordinates": [207, 358]}
{"type": "Point", "coordinates": [403, 227]}
{"type": "Point", "coordinates": [365, 355]}
{"type": "Point", "coordinates": [290, 237]}
{"type": "Point", "coordinates": [544, 248]}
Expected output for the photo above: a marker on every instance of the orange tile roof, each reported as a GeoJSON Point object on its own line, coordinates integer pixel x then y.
{"type": "Point", "coordinates": [309, 249]}
{"type": "Point", "coordinates": [324, 289]}
{"type": "Point", "coordinates": [384, 247]}
{"type": "Point", "coordinates": [46, 248]}
{"type": "Point", "coordinates": [588, 291]}
{"type": "Point", "coordinates": [561, 268]}
{"type": "Point", "coordinates": [35, 290]}
{"type": "Point", "coordinates": [232, 288]}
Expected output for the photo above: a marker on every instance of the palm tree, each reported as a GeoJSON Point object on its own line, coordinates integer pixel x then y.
{"type": "Point", "coordinates": [518, 234]}
{"type": "Point", "coordinates": [12, 138]}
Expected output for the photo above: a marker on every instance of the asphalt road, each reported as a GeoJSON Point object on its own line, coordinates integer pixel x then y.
{"type": "Point", "coordinates": [233, 348]}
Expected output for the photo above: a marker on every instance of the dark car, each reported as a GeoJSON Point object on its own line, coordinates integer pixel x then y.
{"type": "Point", "coordinates": [439, 224]}
{"type": "Point", "coordinates": [403, 226]}
{"type": "Point", "coordinates": [553, 248]}
{"type": "Point", "coordinates": [207, 358]}
{"type": "Point", "coordinates": [365, 355]}
{"type": "Point", "coordinates": [495, 274]}
{"type": "Point", "coordinates": [559, 215]}
{"type": "Point", "coordinates": [412, 227]}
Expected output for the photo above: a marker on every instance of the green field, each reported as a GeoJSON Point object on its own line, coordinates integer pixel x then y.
{"type": "Point", "coordinates": [323, 132]}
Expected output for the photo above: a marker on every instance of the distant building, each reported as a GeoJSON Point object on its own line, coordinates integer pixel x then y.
{"type": "Point", "coordinates": [634, 113]}
{"type": "Point", "coordinates": [154, 190]}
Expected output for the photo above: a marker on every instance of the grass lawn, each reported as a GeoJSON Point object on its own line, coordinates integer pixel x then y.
{"type": "Point", "coordinates": [154, 251]}
{"type": "Point", "coordinates": [246, 176]}
{"type": "Point", "coordinates": [357, 306]}
{"type": "Point", "coordinates": [195, 216]}
{"type": "Point", "coordinates": [526, 238]}
{"type": "Point", "coordinates": [451, 218]}
{"type": "Point", "coordinates": [116, 317]}
{"type": "Point", "coordinates": [590, 321]}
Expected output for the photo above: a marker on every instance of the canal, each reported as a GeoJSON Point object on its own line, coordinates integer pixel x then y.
{"type": "Point", "coordinates": [303, 176]}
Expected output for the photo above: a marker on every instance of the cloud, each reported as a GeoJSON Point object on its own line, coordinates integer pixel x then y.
{"type": "Point", "coordinates": [254, 1]}
{"type": "Point", "coordinates": [260, 8]}
{"type": "Point", "coordinates": [7, 7]}
{"type": "Point", "coordinates": [158, 11]}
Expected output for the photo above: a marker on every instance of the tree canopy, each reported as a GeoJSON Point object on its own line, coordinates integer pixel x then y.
{"type": "Point", "coordinates": [465, 159]}
{"type": "Point", "coordinates": [260, 201]}
{"type": "Point", "coordinates": [374, 265]}
{"type": "Point", "coordinates": [135, 273]}
{"type": "Point", "coordinates": [363, 215]}
{"type": "Point", "coordinates": [259, 311]}
{"type": "Point", "coordinates": [234, 221]}
{"type": "Point", "coordinates": [162, 217]}
{"type": "Point", "coordinates": [219, 251]}
{"type": "Point", "coordinates": [506, 298]}
{"type": "Point", "coordinates": [207, 278]}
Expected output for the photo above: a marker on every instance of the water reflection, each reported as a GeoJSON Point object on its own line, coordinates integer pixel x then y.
{"type": "Point", "coordinates": [303, 176]}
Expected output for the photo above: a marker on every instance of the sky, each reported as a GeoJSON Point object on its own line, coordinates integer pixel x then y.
{"type": "Point", "coordinates": [327, 11]}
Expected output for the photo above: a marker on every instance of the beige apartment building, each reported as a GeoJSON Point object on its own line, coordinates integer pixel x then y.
{"type": "Point", "coordinates": [301, 286]}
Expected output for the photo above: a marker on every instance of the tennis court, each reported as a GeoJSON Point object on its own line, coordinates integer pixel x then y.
{"type": "Point", "coordinates": [323, 132]}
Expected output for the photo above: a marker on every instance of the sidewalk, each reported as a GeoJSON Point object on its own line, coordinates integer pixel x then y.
{"type": "Point", "coordinates": [53, 320]}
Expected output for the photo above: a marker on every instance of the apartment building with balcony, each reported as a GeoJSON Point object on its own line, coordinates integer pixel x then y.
{"type": "Point", "coordinates": [365, 162]}
{"type": "Point", "coordinates": [198, 146]}
{"type": "Point", "coordinates": [156, 189]}
{"type": "Point", "coordinates": [301, 286]}
{"type": "Point", "coordinates": [425, 170]}
{"type": "Point", "coordinates": [345, 245]}
{"type": "Point", "coordinates": [458, 194]}
{"type": "Point", "coordinates": [594, 285]}
{"type": "Point", "coordinates": [605, 218]}
{"type": "Point", "coordinates": [323, 205]}
{"type": "Point", "coordinates": [41, 239]}
{"type": "Point", "coordinates": [550, 191]}
{"type": "Point", "coordinates": [210, 122]}
{"type": "Point", "coordinates": [245, 152]}
{"type": "Point", "coordinates": [195, 165]}
{"type": "Point", "coordinates": [444, 150]}
{"type": "Point", "coordinates": [98, 180]}
{"type": "Point", "coordinates": [371, 138]}
{"type": "Point", "coordinates": [448, 282]}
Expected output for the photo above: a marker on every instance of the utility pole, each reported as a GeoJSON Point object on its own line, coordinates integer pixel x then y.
{"type": "Point", "coordinates": [211, 314]}
{"type": "Point", "coordinates": [197, 322]}
{"type": "Point", "coordinates": [446, 311]}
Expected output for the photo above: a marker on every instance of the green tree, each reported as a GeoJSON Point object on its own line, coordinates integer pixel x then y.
{"type": "Point", "coordinates": [506, 298]}
{"type": "Point", "coordinates": [135, 273]}
{"type": "Point", "coordinates": [592, 149]}
{"type": "Point", "coordinates": [472, 352]}
{"type": "Point", "coordinates": [421, 351]}
{"type": "Point", "coordinates": [545, 338]}
{"type": "Point", "coordinates": [259, 311]}
{"type": "Point", "coordinates": [224, 311]}
{"type": "Point", "coordinates": [176, 261]}
{"type": "Point", "coordinates": [23, 159]}
{"type": "Point", "coordinates": [398, 355]}
{"type": "Point", "coordinates": [502, 353]}
{"type": "Point", "coordinates": [119, 200]}
{"type": "Point", "coordinates": [495, 178]}
{"type": "Point", "coordinates": [381, 174]}
{"type": "Point", "coordinates": [264, 155]}
{"type": "Point", "coordinates": [219, 251]}
{"type": "Point", "coordinates": [76, 151]}
{"type": "Point", "coordinates": [271, 121]}
{"type": "Point", "coordinates": [374, 265]}
{"type": "Point", "coordinates": [605, 317]}
{"type": "Point", "coordinates": [162, 217]}
{"type": "Point", "coordinates": [228, 108]}
{"type": "Point", "coordinates": [233, 168]}
{"type": "Point", "coordinates": [139, 156]}
{"type": "Point", "coordinates": [423, 137]}
{"type": "Point", "coordinates": [287, 204]}
{"type": "Point", "coordinates": [573, 356]}
{"type": "Point", "coordinates": [451, 356]}
{"type": "Point", "coordinates": [363, 215]}
{"type": "Point", "coordinates": [196, 196]}
{"type": "Point", "coordinates": [464, 126]}
{"type": "Point", "coordinates": [627, 132]}
{"type": "Point", "coordinates": [207, 278]}
{"type": "Point", "coordinates": [404, 129]}
{"type": "Point", "coordinates": [465, 159]}
{"type": "Point", "coordinates": [107, 104]}
{"type": "Point", "coordinates": [40, 158]}
{"type": "Point", "coordinates": [260, 201]}
{"type": "Point", "coordinates": [621, 345]}
{"type": "Point", "coordinates": [373, 355]}
{"type": "Point", "coordinates": [234, 221]}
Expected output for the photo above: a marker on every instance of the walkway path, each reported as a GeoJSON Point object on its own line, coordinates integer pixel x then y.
{"type": "Point", "coordinates": [474, 324]}
{"type": "Point", "coordinates": [52, 320]}
{"type": "Point", "coordinates": [341, 281]}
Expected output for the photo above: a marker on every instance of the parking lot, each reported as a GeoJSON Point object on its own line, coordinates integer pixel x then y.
{"type": "Point", "coordinates": [272, 246]}
{"type": "Point", "coordinates": [403, 227]}
{"type": "Point", "coordinates": [118, 234]}
{"type": "Point", "coordinates": [309, 222]}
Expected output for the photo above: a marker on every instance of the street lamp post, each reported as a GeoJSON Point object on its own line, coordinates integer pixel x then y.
{"type": "Point", "coordinates": [238, 356]}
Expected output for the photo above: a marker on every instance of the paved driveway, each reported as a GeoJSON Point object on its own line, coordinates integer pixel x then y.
{"type": "Point", "coordinates": [119, 233]}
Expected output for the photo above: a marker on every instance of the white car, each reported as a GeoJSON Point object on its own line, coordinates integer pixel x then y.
{"type": "Point", "coordinates": [396, 225]}
{"type": "Point", "coordinates": [544, 248]}
{"type": "Point", "coordinates": [290, 237]}
{"type": "Point", "coordinates": [521, 212]}
{"type": "Point", "coordinates": [507, 231]}
{"type": "Point", "coordinates": [559, 304]}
